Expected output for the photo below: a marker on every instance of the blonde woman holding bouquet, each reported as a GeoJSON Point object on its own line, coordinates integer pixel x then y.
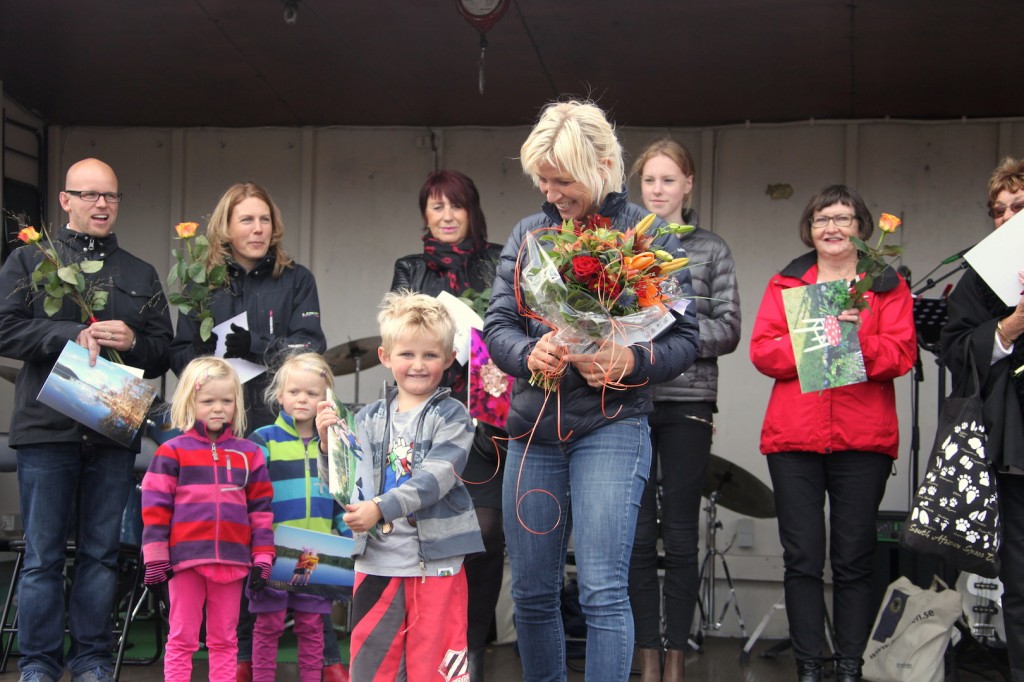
{"type": "Point", "coordinates": [837, 442]}
{"type": "Point", "coordinates": [579, 456]}
{"type": "Point", "coordinates": [681, 425]}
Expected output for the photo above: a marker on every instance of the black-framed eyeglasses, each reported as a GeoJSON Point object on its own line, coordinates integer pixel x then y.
{"type": "Point", "coordinates": [997, 210]}
{"type": "Point", "coordinates": [822, 221]}
{"type": "Point", "coordinates": [93, 197]}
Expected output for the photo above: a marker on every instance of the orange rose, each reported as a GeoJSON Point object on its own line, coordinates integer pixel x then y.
{"type": "Point", "coordinates": [29, 235]}
{"type": "Point", "coordinates": [888, 223]}
{"type": "Point", "coordinates": [186, 230]}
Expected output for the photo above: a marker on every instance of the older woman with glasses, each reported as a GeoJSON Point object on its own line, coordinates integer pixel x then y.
{"type": "Point", "coordinates": [838, 442]}
{"type": "Point", "coordinates": [979, 318]}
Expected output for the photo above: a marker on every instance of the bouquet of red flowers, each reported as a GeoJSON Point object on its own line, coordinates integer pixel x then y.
{"type": "Point", "coordinates": [597, 284]}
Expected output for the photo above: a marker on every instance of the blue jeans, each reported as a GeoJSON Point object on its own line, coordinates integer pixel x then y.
{"type": "Point", "coordinates": [596, 481]}
{"type": "Point", "coordinates": [56, 483]}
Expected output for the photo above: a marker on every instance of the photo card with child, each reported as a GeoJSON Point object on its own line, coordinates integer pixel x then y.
{"type": "Point", "coordinates": [315, 563]}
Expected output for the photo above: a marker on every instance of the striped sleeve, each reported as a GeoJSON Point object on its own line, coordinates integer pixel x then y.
{"type": "Point", "coordinates": [259, 493]}
{"type": "Point", "coordinates": [158, 488]}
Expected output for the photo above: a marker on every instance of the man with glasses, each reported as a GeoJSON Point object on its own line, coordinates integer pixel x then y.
{"type": "Point", "coordinates": [73, 482]}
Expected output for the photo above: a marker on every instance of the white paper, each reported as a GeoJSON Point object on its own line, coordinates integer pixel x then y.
{"type": "Point", "coordinates": [465, 320]}
{"type": "Point", "coordinates": [246, 370]}
{"type": "Point", "coordinates": [998, 258]}
{"type": "Point", "coordinates": [137, 372]}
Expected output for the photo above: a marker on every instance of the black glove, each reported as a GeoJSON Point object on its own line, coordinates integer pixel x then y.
{"type": "Point", "coordinates": [259, 574]}
{"type": "Point", "coordinates": [204, 347]}
{"type": "Point", "coordinates": [157, 575]}
{"type": "Point", "coordinates": [237, 343]}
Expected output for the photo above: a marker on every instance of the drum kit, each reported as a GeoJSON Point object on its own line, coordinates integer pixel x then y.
{"type": "Point", "coordinates": [353, 357]}
{"type": "Point", "coordinates": [733, 487]}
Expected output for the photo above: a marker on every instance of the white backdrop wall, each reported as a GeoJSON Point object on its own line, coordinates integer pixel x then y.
{"type": "Point", "coordinates": [349, 200]}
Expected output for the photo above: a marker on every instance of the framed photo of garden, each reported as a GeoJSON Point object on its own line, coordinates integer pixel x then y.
{"type": "Point", "coordinates": [827, 350]}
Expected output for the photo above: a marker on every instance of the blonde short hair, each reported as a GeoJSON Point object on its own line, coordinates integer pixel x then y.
{"type": "Point", "coordinates": [307, 362]}
{"type": "Point", "coordinates": [576, 138]}
{"type": "Point", "coordinates": [219, 234]}
{"type": "Point", "coordinates": [408, 313]}
{"type": "Point", "coordinates": [1008, 176]}
{"type": "Point", "coordinates": [197, 373]}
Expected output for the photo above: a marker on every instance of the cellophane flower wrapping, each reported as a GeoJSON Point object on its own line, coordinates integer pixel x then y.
{"type": "Point", "coordinates": [584, 322]}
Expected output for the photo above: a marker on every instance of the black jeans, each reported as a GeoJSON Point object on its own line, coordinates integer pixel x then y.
{"type": "Point", "coordinates": [681, 440]}
{"type": "Point", "coordinates": [1011, 554]}
{"type": "Point", "coordinates": [855, 483]}
{"type": "Point", "coordinates": [483, 578]}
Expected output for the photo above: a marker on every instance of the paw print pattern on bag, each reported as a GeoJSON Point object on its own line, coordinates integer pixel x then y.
{"type": "Point", "coordinates": [960, 487]}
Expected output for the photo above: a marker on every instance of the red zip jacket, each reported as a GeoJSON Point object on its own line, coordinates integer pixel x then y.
{"type": "Point", "coordinates": [856, 417]}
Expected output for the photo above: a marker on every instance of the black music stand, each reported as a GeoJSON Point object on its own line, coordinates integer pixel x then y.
{"type": "Point", "coordinates": [930, 316]}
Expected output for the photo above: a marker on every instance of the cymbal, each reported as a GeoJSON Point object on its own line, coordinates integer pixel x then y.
{"type": "Point", "coordinates": [9, 373]}
{"type": "Point", "coordinates": [342, 358]}
{"type": "Point", "coordinates": [740, 490]}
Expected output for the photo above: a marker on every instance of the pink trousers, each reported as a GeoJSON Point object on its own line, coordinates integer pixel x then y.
{"type": "Point", "coordinates": [189, 592]}
{"type": "Point", "coordinates": [309, 632]}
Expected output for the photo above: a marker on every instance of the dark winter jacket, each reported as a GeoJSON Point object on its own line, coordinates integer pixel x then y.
{"type": "Point", "coordinates": [511, 336]}
{"type": "Point", "coordinates": [717, 302]}
{"type": "Point", "coordinates": [290, 300]}
{"type": "Point", "coordinates": [974, 310]}
{"type": "Point", "coordinates": [411, 272]}
{"type": "Point", "coordinates": [27, 333]}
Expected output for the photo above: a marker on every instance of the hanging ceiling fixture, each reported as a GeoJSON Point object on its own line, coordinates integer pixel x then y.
{"type": "Point", "coordinates": [291, 12]}
{"type": "Point", "coordinates": [482, 15]}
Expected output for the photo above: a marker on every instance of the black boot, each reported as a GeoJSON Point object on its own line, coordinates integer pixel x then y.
{"type": "Point", "coordinates": [476, 665]}
{"type": "Point", "coordinates": [808, 670]}
{"type": "Point", "coordinates": [848, 670]}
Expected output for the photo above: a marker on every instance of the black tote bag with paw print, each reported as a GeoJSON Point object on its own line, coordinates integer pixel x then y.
{"type": "Point", "coordinates": [955, 514]}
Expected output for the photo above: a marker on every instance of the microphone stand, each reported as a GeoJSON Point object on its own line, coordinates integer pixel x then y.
{"type": "Point", "coordinates": [932, 283]}
{"type": "Point", "coordinates": [933, 347]}
{"type": "Point", "coordinates": [929, 318]}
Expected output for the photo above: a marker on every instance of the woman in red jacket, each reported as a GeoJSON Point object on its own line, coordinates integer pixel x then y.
{"type": "Point", "coordinates": [838, 442]}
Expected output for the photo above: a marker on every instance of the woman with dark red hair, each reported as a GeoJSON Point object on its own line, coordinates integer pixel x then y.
{"type": "Point", "coordinates": [456, 257]}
